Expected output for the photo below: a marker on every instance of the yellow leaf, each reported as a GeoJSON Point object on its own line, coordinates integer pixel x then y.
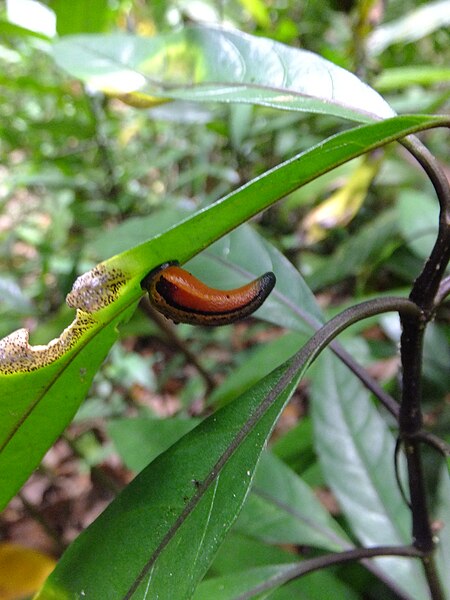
{"type": "Point", "coordinates": [22, 571]}
{"type": "Point", "coordinates": [341, 207]}
{"type": "Point", "coordinates": [258, 11]}
{"type": "Point", "coordinates": [140, 100]}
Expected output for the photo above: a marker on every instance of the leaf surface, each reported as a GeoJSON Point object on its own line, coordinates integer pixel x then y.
{"type": "Point", "coordinates": [356, 451]}
{"type": "Point", "coordinates": [178, 510]}
{"type": "Point", "coordinates": [282, 509]}
{"type": "Point", "coordinates": [41, 387]}
{"type": "Point", "coordinates": [205, 64]}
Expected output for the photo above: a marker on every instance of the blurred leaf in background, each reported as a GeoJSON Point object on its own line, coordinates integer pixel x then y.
{"type": "Point", "coordinates": [85, 176]}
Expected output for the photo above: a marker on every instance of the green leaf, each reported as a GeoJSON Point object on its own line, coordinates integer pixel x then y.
{"type": "Point", "coordinates": [282, 509]}
{"type": "Point", "coordinates": [295, 447]}
{"type": "Point", "coordinates": [37, 404]}
{"type": "Point", "coordinates": [54, 379]}
{"type": "Point", "coordinates": [178, 510]}
{"type": "Point", "coordinates": [87, 16]}
{"type": "Point", "coordinates": [316, 586]}
{"type": "Point", "coordinates": [262, 360]}
{"type": "Point", "coordinates": [220, 65]}
{"type": "Point", "coordinates": [239, 554]}
{"type": "Point", "coordinates": [363, 249]}
{"type": "Point", "coordinates": [418, 218]}
{"type": "Point", "coordinates": [356, 451]}
{"type": "Point", "coordinates": [401, 77]}
{"type": "Point", "coordinates": [11, 29]}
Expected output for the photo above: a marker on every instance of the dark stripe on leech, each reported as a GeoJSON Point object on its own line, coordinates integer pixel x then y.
{"type": "Point", "coordinates": [166, 289]}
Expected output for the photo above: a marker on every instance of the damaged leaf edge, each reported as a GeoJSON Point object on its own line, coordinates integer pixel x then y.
{"type": "Point", "coordinates": [91, 292]}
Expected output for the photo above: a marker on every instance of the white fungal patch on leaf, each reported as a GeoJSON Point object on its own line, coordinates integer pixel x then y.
{"type": "Point", "coordinates": [91, 292]}
{"type": "Point", "coordinates": [17, 356]}
{"type": "Point", "coordinates": [96, 289]}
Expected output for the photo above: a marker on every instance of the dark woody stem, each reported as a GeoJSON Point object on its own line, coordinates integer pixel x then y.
{"type": "Point", "coordinates": [424, 293]}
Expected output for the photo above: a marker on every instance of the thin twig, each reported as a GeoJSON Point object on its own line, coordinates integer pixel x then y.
{"type": "Point", "coordinates": [435, 442]}
{"type": "Point", "coordinates": [328, 560]}
{"type": "Point", "coordinates": [38, 516]}
{"type": "Point", "coordinates": [167, 328]}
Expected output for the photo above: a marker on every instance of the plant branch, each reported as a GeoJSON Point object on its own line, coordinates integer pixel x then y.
{"type": "Point", "coordinates": [424, 292]}
{"type": "Point", "coordinates": [328, 560]}
{"type": "Point", "coordinates": [39, 517]}
{"type": "Point", "coordinates": [390, 404]}
{"type": "Point", "coordinates": [295, 367]}
{"type": "Point", "coordinates": [433, 169]}
{"type": "Point", "coordinates": [167, 328]}
{"type": "Point", "coordinates": [427, 284]}
{"type": "Point", "coordinates": [366, 379]}
{"type": "Point", "coordinates": [435, 442]}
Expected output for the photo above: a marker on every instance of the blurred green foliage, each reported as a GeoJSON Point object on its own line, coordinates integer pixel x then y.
{"type": "Point", "coordinates": [76, 165]}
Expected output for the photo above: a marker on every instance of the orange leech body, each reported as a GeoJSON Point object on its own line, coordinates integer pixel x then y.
{"type": "Point", "coordinates": [185, 299]}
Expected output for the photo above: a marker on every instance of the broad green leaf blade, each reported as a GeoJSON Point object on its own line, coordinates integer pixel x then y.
{"type": "Point", "coordinates": [54, 379]}
{"type": "Point", "coordinates": [260, 362]}
{"type": "Point", "coordinates": [220, 65]}
{"type": "Point", "coordinates": [397, 78]}
{"type": "Point", "coordinates": [356, 451]}
{"type": "Point", "coordinates": [282, 509]}
{"type": "Point", "coordinates": [178, 510]}
{"type": "Point", "coordinates": [317, 586]}
{"type": "Point", "coordinates": [364, 247]}
{"type": "Point", "coordinates": [87, 16]}
{"type": "Point", "coordinates": [36, 405]}
{"type": "Point", "coordinates": [418, 219]}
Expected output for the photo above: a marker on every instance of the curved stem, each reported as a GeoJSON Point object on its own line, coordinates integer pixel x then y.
{"type": "Point", "coordinates": [332, 328]}
{"type": "Point", "coordinates": [427, 284]}
{"type": "Point", "coordinates": [173, 338]}
{"type": "Point", "coordinates": [366, 379]}
{"type": "Point", "coordinates": [328, 560]}
{"type": "Point", "coordinates": [295, 368]}
{"type": "Point", "coordinates": [434, 442]}
{"type": "Point", "coordinates": [434, 171]}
